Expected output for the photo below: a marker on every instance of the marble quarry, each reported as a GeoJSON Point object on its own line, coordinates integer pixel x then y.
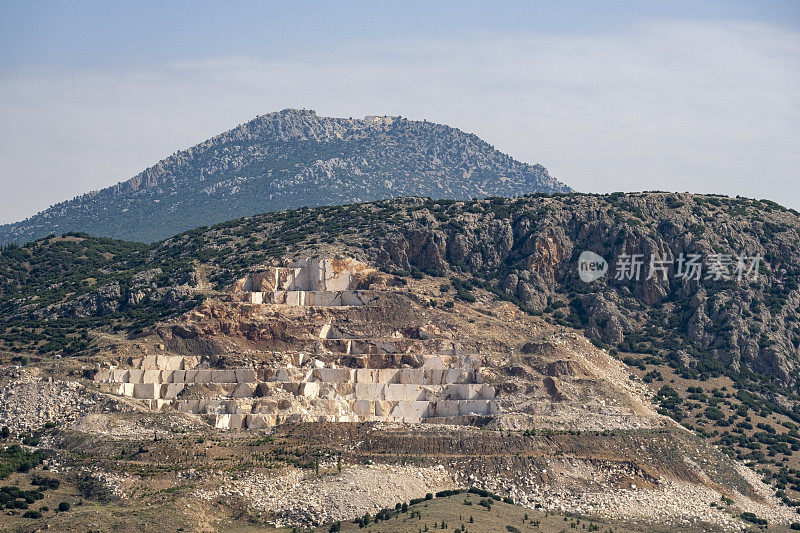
{"type": "Point", "coordinates": [342, 377]}
{"type": "Point", "coordinates": [309, 282]}
{"type": "Point", "coordinates": [445, 390]}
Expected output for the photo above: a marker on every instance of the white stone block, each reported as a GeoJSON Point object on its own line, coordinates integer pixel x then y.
{"type": "Point", "coordinates": [433, 362]}
{"type": "Point", "coordinates": [152, 376]}
{"type": "Point", "coordinates": [366, 375]}
{"type": "Point", "coordinates": [245, 375]}
{"type": "Point", "coordinates": [389, 375]}
{"type": "Point", "coordinates": [455, 375]}
{"type": "Point", "coordinates": [256, 298]}
{"type": "Point", "coordinates": [412, 375]}
{"type": "Point", "coordinates": [403, 392]}
{"type": "Point", "coordinates": [146, 391]}
{"type": "Point", "coordinates": [382, 408]}
{"type": "Point", "coordinates": [333, 375]}
{"type": "Point", "coordinates": [363, 408]}
{"type": "Point", "coordinates": [223, 376]}
{"type": "Point", "coordinates": [174, 362]}
{"type": "Point", "coordinates": [150, 362]}
{"type": "Point", "coordinates": [293, 298]}
{"type": "Point", "coordinates": [475, 407]}
{"type": "Point", "coordinates": [337, 282]}
{"type": "Point", "coordinates": [222, 421]}
{"type": "Point", "coordinates": [369, 391]}
{"type": "Point", "coordinates": [170, 391]}
{"type": "Point", "coordinates": [409, 411]}
{"type": "Point", "coordinates": [433, 376]}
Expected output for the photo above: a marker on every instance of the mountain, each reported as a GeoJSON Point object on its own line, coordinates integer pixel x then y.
{"type": "Point", "coordinates": [638, 398]}
{"type": "Point", "coordinates": [525, 250]}
{"type": "Point", "coordinates": [285, 160]}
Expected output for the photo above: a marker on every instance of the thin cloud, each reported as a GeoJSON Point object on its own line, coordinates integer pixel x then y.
{"type": "Point", "coordinates": [671, 105]}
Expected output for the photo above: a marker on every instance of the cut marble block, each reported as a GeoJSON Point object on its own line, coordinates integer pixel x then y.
{"type": "Point", "coordinates": [170, 391]}
{"type": "Point", "coordinates": [403, 392]}
{"type": "Point", "coordinates": [146, 391]}
{"type": "Point", "coordinates": [363, 408]}
{"type": "Point", "coordinates": [391, 375]}
{"type": "Point", "coordinates": [223, 376]}
{"type": "Point", "coordinates": [333, 375]}
{"type": "Point", "coordinates": [245, 375]}
{"type": "Point", "coordinates": [369, 391]}
{"type": "Point", "coordinates": [256, 298]}
{"type": "Point", "coordinates": [412, 375]}
{"type": "Point", "coordinates": [409, 411]}
{"type": "Point", "coordinates": [366, 375]}
{"type": "Point", "coordinates": [151, 376]}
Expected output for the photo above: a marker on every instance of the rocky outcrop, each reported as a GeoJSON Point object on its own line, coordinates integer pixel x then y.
{"type": "Point", "coordinates": [528, 250]}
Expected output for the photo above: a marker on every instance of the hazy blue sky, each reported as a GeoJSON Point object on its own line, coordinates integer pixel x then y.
{"type": "Point", "coordinates": [639, 95]}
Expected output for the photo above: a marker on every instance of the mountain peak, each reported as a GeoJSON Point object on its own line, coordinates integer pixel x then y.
{"type": "Point", "coordinates": [288, 159]}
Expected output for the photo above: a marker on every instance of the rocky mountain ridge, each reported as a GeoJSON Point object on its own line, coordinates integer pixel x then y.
{"type": "Point", "coordinates": [286, 160]}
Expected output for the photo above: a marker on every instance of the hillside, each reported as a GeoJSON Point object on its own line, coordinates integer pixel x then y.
{"type": "Point", "coordinates": [464, 350]}
{"type": "Point", "coordinates": [722, 355]}
{"type": "Point", "coordinates": [285, 160]}
{"type": "Point", "coordinates": [525, 250]}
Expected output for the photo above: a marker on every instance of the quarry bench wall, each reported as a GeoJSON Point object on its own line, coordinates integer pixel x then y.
{"type": "Point", "coordinates": [237, 398]}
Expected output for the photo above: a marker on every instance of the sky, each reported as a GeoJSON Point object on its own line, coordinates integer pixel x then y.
{"type": "Point", "coordinates": [609, 96]}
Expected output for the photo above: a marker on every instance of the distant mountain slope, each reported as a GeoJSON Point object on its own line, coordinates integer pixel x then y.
{"type": "Point", "coordinates": [290, 159]}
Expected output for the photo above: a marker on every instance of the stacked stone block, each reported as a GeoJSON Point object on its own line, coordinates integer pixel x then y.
{"type": "Point", "coordinates": [236, 398]}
